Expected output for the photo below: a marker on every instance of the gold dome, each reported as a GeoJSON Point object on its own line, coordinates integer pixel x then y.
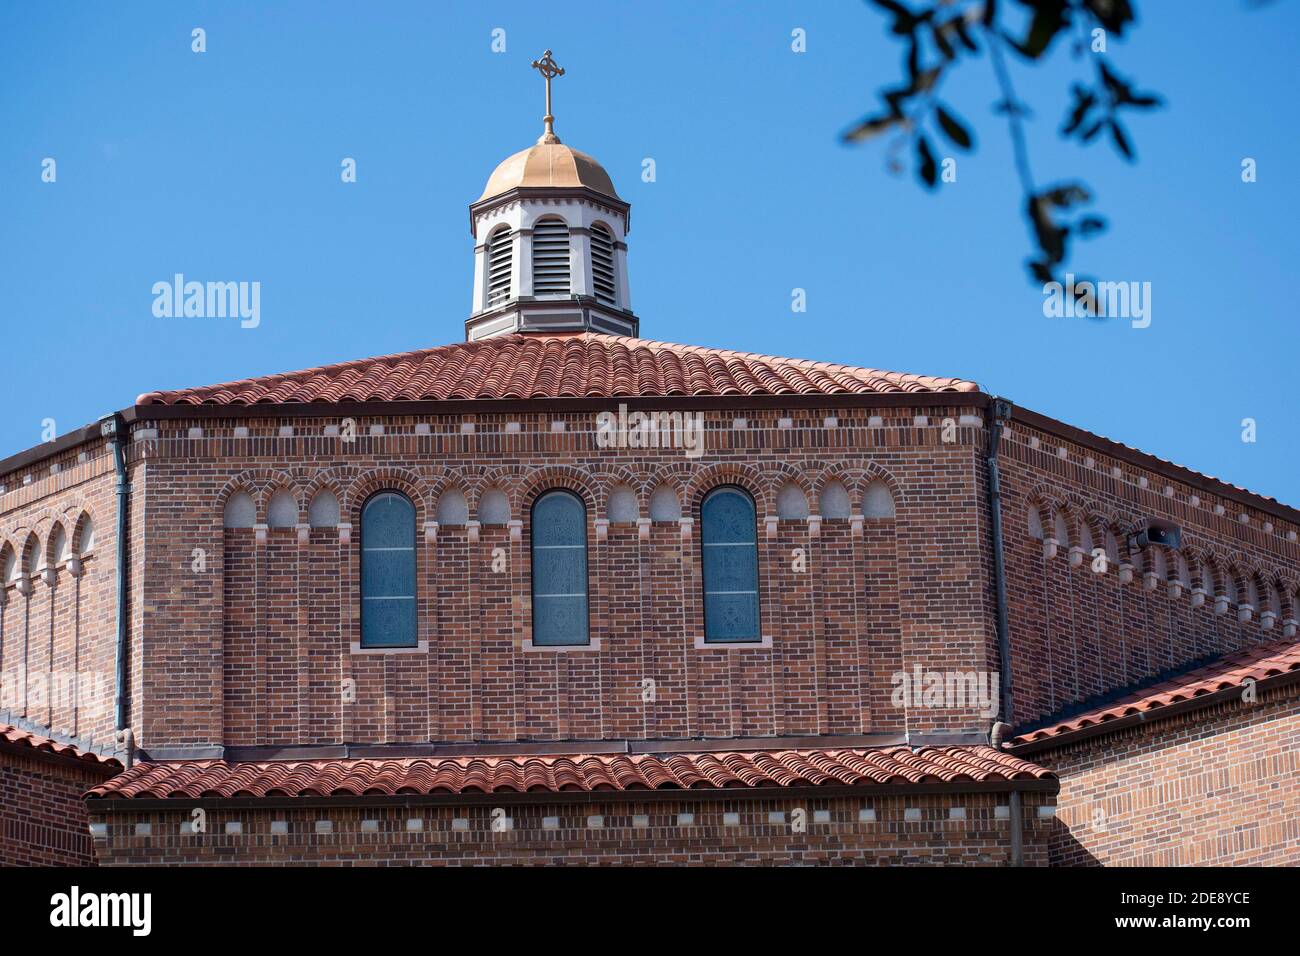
{"type": "Point", "coordinates": [548, 163]}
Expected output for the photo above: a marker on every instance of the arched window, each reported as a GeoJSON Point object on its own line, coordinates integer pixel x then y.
{"type": "Point", "coordinates": [622, 505]}
{"type": "Point", "coordinates": [1252, 593]}
{"type": "Point", "coordinates": [1213, 580]}
{"type": "Point", "coordinates": [500, 253]}
{"type": "Point", "coordinates": [559, 538]}
{"type": "Point", "coordinates": [323, 512]}
{"type": "Point", "coordinates": [1273, 600]}
{"type": "Point", "coordinates": [388, 571]}
{"type": "Point", "coordinates": [240, 511]}
{"type": "Point", "coordinates": [834, 501]}
{"type": "Point", "coordinates": [791, 502]}
{"type": "Point", "coordinates": [878, 502]}
{"type": "Point", "coordinates": [1112, 548]}
{"type": "Point", "coordinates": [58, 545]}
{"type": "Point", "coordinates": [551, 258]}
{"type": "Point", "coordinates": [602, 265]}
{"type": "Point", "coordinates": [1061, 530]}
{"type": "Point", "coordinates": [729, 542]}
{"type": "Point", "coordinates": [282, 512]}
{"type": "Point", "coordinates": [87, 537]}
{"type": "Point", "coordinates": [8, 566]}
{"type": "Point", "coordinates": [494, 507]}
{"type": "Point", "coordinates": [452, 508]}
{"type": "Point", "coordinates": [1230, 586]}
{"type": "Point", "coordinates": [1159, 564]}
{"type": "Point", "coordinates": [1035, 522]}
{"type": "Point", "coordinates": [1085, 538]}
{"type": "Point", "coordinates": [664, 505]}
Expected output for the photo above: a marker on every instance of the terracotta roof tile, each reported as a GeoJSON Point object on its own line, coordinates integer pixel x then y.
{"type": "Point", "coordinates": [578, 364]}
{"type": "Point", "coordinates": [557, 774]}
{"type": "Point", "coordinates": [17, 737]}
{"type": "Point", "coordinates": [1229, 671]}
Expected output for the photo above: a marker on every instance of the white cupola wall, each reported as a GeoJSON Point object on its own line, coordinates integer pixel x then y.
{"type": "Point", "coordinates": [550, 249]}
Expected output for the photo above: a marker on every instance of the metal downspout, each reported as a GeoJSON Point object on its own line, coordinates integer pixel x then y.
{"type": "Point", "coordinates": [112, 427]}
{"type": "Point", "coordinates": [999, 412]}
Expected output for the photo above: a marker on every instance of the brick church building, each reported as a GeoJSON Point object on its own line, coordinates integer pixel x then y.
{"type": "Point", "coordinates": [558, 594]}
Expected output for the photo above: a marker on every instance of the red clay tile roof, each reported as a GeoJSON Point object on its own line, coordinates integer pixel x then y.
{"type": "Point", "coordinates": [576, 773]}
{"type": "Point", "coordinates": [564, 365]}
{"type": "Point", "coordinates": [1229, 671]}
{"type": "Point", "coordinates": [18, 738]}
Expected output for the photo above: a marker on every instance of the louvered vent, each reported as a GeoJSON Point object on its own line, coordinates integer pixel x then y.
{"type": "Point", "coordinates": [551, 258]}
{"type": "Point", "coordinates": [602, 265]}
{"type": "Point", "coordinates": [500, 249]}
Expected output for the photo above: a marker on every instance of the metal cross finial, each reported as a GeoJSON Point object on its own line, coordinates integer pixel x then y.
{"type": "Point", "coordinates": [549, 69]}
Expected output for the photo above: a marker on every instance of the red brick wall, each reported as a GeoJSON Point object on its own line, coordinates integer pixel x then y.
{"type": "Point", "coordinates": [1211, 788]}
{"type": "Point", "coordinates": [42, 816]}
{"type": "Point", "coordinates": [934, 838]}
{"type": "Point", "coordinates": [57, 642]}
{"type": "Point", "coordinates": [1077, 634]}
{"type": "Point", "coordinates": [255, 649]}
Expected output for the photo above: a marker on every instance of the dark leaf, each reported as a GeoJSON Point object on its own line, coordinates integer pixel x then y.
{"type": "Point", "coordinates": [926, 167]}
{"type": "Point", "coordinates": [1117, 87]}
{"type": "Point", "coordinates": [1041, 271]}
{"type": "Point", "coordinates": [1083, 102]}
{"type": "Point", "coordinates": [1114, 15]}
{"type": "Point", "coordinates": [1121, 141]}
{"type": "Point", "coordinates": [1050, 237]}
{"type": "Point", "coordinates": [905, 21]}
{"type": "Point", "coordinates": [1063, 197]}
{"type": "Point", "coordinates": [990, 12]}
{"type": "Point", "coordinates": [1051, 17]}
{"type": "Point", "coordinates": [870, 127]}
{"type": "Point", "coordinates": [1144, 100]}
{"type": "Point", "coordinates": [926, 79]}
{"type": "Point", "coordinates": [895, 98]}
{"type": "Point", "coordinates": [1090, 226]}
{"type": "Point", "coordinates": [952, 128]}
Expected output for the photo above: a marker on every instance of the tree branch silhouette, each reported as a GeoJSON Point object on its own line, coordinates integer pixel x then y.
{"type": "Point", "coordinates": [943, 34]}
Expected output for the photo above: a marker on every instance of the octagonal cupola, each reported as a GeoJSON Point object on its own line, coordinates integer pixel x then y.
{"type": "Point", "coordinates": [550, 250]}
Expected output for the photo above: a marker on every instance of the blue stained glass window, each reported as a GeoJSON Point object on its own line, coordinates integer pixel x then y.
{"type": "Point", "coordinates": [559, 542]}
{"type": "Point", "coordinates": [388, 571]}
{"type": "Point", "coordinates": [729, 542]}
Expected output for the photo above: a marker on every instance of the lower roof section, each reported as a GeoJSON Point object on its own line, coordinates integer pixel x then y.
{"type": "Point", "coordinates": [1203, 686]}
{"type": "Point", "coordinates": [18, 739]}
{"type": "Point", "coordinates": [955, 768]}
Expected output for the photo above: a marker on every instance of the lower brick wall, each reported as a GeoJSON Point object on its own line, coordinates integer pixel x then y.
{"type": "Point", "coordinates": [42, 816]}
{"type": "Point", "coordinates": [1215, 787]}
{"type": "Point", "coordinates": [652, 832]}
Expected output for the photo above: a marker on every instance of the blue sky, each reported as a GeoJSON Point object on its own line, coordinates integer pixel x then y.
{"type": "Point", "coordinates": [225, 166]}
